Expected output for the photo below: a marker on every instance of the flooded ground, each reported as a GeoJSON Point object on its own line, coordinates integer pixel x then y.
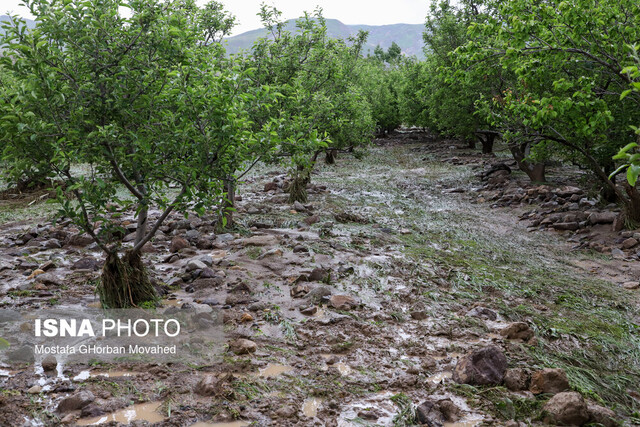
{"type": "Point", "coordinates": [361, 303]}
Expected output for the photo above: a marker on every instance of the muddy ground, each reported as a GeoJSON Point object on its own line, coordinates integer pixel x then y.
{"type": "Point", "coordinates": [360, 304]}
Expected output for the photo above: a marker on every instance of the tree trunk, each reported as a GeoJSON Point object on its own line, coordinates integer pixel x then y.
{"type": "Point", "coordinates": [124, 282]}
{"type": "Point", "coordinates": [632, 205]}
{"type": "Point", "coordinates": [228, 203]}
{"type": "Point", "coordinates": [472, 143]}
{"type": "Point", "coordinates": [298, 186]}
{"type": "Point", "coordinates": [487, 143]}
{"type": "Point", "coordinates": [535, 171]}
{"type": "Point", "coordinates": [330, 157]}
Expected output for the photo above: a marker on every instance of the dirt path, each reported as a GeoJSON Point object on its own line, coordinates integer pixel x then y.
{"type": "Point", "coordinates": [360, 316]}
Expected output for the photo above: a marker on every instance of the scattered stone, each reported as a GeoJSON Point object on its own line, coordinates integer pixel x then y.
{"type": "Point", "coordinates": [566, 226]}
{"type": "Point", "coordinates": [246, 317]}
{"type": "Point", "coordinates": [299, 290]}
{"type": "Point", "coordinates": [318, 275]}
{"type": "Point", "coordinates": [243, 346]}
{"type": "Point", "coordinates": [310, 220]}
{"type": "Point", "coordinates": [300, 248]}
{"type": "Point", "coordinates": [316, 294]}
{"type": "Point", "coordinates": [517, 331]}
{"type": "Point", "coordinates": [429, 413]}
{"type": "Point", "coordinates": [485, 366]}
{"type": "Point", "coordinates": [450, 410]}
{"type": "Point", "coordinates": [419, 315]}
{"type": "Point", "coordinates": [602, 217]}
{"type": "Point", "coordinates": [76, 401]}
{"type": "Point", "coordinates": [207, 386]}
{"type": "Point", "coordinates": [631, 285]}
{"type": "Point", "coordinates": [549, 380]}
{"type": "Point", "coordinates": [87, 263]}
{"type": "Point", "coordinates": [482, 313]}
{"type": "Point", "coordinates": [35, 273]}
{"type": "Point", "coordinates": [52, 244]}
{"type": "Point", "coordinates": [49, 279]}
{"type": "Point", "coordinates": [309, 311]}
{"type": "Point", "coordinates": [35, 389]}
{"type": "Point", "coordinates": [601, 415]}
{"type": "Point", "coordinates": [49, 363]}
{"type": "Point", "coordinates": [618, 253]}
{"type": "Point", "coordinates": [178, 243]}
{"type": "Point", "coordinates": [629, 243]}
{"type": "Point", "coordinates": [49, 265]}
{"type": "Point", "coordinates": [516, 379]}
{"type": "Point", "coordinates": [343, 302]}
{"type": "Point", "coordinates": [265, 240]}
{"type": "Point", "coordinates": [270, 186]}
{"type": "Point", "coordinates": [80, 240]}
{"type": "Point", "coordinates": [567, 408]}
{"type": "Point", "coordinates": [195, 264]}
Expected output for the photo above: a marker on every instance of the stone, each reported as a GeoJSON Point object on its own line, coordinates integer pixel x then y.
{"type": "Point", "coordinates": [300, 248]}
{"type": "Point", "coordinates": [617, 253]}
{"type": "Point", "coordinates": [419, 315]}
{"type": "Point", "coordinates": [76, 401]}
{"type": "Point", "coordinates": [49, 363]}
{"type": "Point", "coordinates": [87, 263]}
{"type": "Point", "coordinates": [629, 243]}
{"type": "Point", "coordinates": [310, 220]}
{"type": "Point", "coordinates": [450, 410]}
{"type": "Point", "coordinates": [428, 412]}
{"type": "Point", "coordinates": [343, 302]}
{"type": "Point", "coordinates": [601, 415]}
{"type": "Point", "coordinates": [243, 346]}
{"type": "Point", "coordinates": [299, 290]}
{"type": "Point", "coordinates": [482, 313]}
{"type": "Point", "coordinates": [549, 380]}
{"type": "Point", "coordinates": [207, 386]}
{"type": "Point", "coordinates": [618, 223]}
{"type": "Point", "coordinates": [270, 186]}
{"type": "Point", "coordinates": [80, 240]}
{"type": "Point", "coordinates": [566, 226]}
{"type": "Point", "coordinates": [49, 279]}
{"type": "Point", "coordinates": [299, 207]}
{"type": "Point", "coordinates": [192, 235]}
{"type": "Point", "coordinates": [195, 264]}
{"type": "Point", "coordinates": [318, 275]}
{"type": "Point", "coordinates": [309, 311]}
{"type": "Point", "coordinates": [265, 240]}
{"type": "Point", "coordinates": [35, 389]}
{"type": "Point", "coordinates": [485, 366]}
{"type": "Point", "coordinates": [631, 285]}
{"type": "Point", "coordinates": [516, 379]}
{"type": "Point", "coordinates": [602, 217]}
{"type": "Point", "coordinates": [52, 244]}
{"type": "Point", "coordinates": [49, 265]}
{"type": "Point", "coordinates": [318, 293]}
{"type": "Point", "coordinates": [517, 331]}
{"type": "Point", "coordinates": [178, 243]}
{"type": "Point", "coordinates": [567, 408]}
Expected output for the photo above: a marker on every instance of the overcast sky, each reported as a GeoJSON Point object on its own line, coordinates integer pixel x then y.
{"type": "Point", "coordinates": [369, 12]}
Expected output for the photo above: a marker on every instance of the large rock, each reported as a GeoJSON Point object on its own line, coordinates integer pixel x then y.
{"type": "Point", "coordinates": [81, 240]}
{"type": "Point", "coordinates": [207, 386]}
{"type": "Point", "coordinates": [516, 379]}
{"type": "Point", "coordinates": [242, 346]}
{"type": "Point", "coordinates": [485, 366]}
{"type": "Point", "coordinates": [343, 302]}
{"type": "Point", "coordinates": [178, 243]}
{"type": "Point", "coordinates": [517, 331]}
{"type": "Point", "coordinates": [49, 363]}
{"type": "Point", "coordinates": [602, 217]}
{"type": "Point", "coordinates": [566, 409]}
{"type": "Point", "coordinates": [601, 415]}
{"type": "Point", "coordinates": [87, 263]}
{"type": "Point", "coordinates": [76, 401]}
{"type": "Point", "coordinates": [266, 240]}
{"type": "Point", "coordinates": [428, 413]}
{"type": "Point", "coordinates": [549, 381]}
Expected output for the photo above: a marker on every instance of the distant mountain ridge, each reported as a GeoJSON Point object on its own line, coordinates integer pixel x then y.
{"type": "Point", "coordinates": [407, 36]}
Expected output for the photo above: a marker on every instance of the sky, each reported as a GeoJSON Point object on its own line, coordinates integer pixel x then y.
{"type": "Point", "coordinates": [370, 12]}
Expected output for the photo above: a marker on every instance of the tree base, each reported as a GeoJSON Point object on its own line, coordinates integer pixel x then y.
{"type": "Point", "coordinates": [298, 189]}
{"type": "Point", "coordinates": [124, 282]}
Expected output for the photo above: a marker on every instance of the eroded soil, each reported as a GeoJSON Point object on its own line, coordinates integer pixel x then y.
{"type": "Point", "coordinates": [361, 304]}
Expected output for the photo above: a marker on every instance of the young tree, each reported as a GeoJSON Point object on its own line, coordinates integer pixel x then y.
{"type": "Point", "coordinates": [114, 92]}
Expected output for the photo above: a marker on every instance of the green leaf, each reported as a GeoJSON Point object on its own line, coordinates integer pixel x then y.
{"type": "Point", "coordinates": [632, 174]}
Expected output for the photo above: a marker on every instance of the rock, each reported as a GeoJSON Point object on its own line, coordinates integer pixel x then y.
{"type": "Point", "coordinates": [243, 346]}
{"type": "Point", "coordinates": [567, 408]}
{"type": "Point", "coordinates": [52, 244]}
{"type": "Point", "coordinates": [207, 386]}
{"type": "Point", "coordinates": [629, 243]}
{"type": "Point", "coordinates": [49, 265]}
{"type": "Point", "coordinates": [310, 220]}
{"type": "Point", "coordinates": [343, 302]}
{"type": "Point", "coordinates": [450, 410]}
{"type": "Point", "coordinates": [192, 235]}
{"type": "Point", "coordinates": [265, 240]}
{"type": "Point", "coordinates": [517, 331]}
{"type": "Point", "coordinates": [618, 223]}
{"type": "Point", "coordinates": [419, 315]}
{"type": "Point", "coordinates": [601, 415]}
{"type": "Point", "coordinates": [316, 294]}
{"type": "Point", "coordinates": [87, 263]}
{"type": "Point", "coordinates": [270, 186]}
{"type": "Point", "coordinates": [309, 311]}
{"type": "Point", "coordinates": [195, 264]}
{"type": "Point", "coordinates": [566, 226]}
{"type": "Point", "coordinates": [549, 380]}
{"type": "Point", "coordinates": [299, 290]}
{"type": "Point", "coordinates": [568, 191]}
{"type": "Point", "coordinates": [617, 253]}
{"type": "Point", "coordinates": [602, 217]}
{"type": "Point", "coordinates": [246, 317]}
{"type": "Point", "coordinates": [299, 207]}
{"type": "Point", "coordinates": [300, 248]}
{"type": "Point", "coordinates": [80, 240]}
{"type": "Point", "coordinates": [204, 243]}
{"type": "Point", "coordinates": [318, 275]}
{"type": "Point", "coordinates": [482, 313]}
{"type": "Point", "coordinates": [76, 401]}
{"type": "Point", "coordinates": [631, 285]}
{"type": "Point", "coordinates": [49, 363]}
{"type": "Point", "coordinates": [516, 379]}
{"type": "Point", "coordinates": [485, 366]}
{"type": "Point", "coordinates": [223, 238]}
{"type": "Point", "coordinates": [49, 279]}
{"type": "Point", "coordinates": [178, 243]}
{"type": "Point", "coordinates": [429, 413]}
{"type": "Point", "coordinates": [35, 389]}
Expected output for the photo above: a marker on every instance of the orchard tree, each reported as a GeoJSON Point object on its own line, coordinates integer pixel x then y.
{"type": "Point", "coordinates": [321, 107]}
{"type": "Point", "coordinates": [117, 93]}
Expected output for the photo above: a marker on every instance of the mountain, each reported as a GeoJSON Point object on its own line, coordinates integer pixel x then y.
{"type": "Point", "coordinates": [407, 36]}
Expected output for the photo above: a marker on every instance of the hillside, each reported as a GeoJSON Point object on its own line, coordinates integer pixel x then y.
{"type": "Point", "coordinates": [407, 36]}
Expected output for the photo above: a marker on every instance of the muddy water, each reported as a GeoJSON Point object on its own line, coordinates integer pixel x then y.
{"type": "Point", "coordinates": [310, 407]}
{"type": "Point", "coordinates": [84, 375]}
{"type": "Point", "coordinates": [273, 370]}
{"type": "Point", "coordinates": [140, 412]}
{"type": "Point", "coordinates": [438, 378]}
{"type": "Point", "coordinates": [229, 424]}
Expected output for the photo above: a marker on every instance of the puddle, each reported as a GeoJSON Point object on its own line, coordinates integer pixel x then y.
{"type": "Point", "coordinates": [171, 303]}
{"type": "Point", "coordinates": [438, 378]}
{"type": "Point", "coordinates": [140, 412]}
{"type": "Point", "coordinates": [310, 407]}
{"type": "Point", "coordinates": [229, 424]}
{"type": "Point", "coordinates": [274, 370]}
{"type": "Point", "coordinates": [84, 375]}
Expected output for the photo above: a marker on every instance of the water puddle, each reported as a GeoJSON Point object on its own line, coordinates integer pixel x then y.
{"type": "Point", "coordinates": [438, 378]}
{"type": "Point", "coordinates": [273, 370]}
{"type": "Point", "coordinates": [171, 303]}
{"type": "Point", "coordinates": [310, 407]}
{"type": "Point", "coordinates": [140, 412]}
{"type": "Point", "coordinates": [84, 375]}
